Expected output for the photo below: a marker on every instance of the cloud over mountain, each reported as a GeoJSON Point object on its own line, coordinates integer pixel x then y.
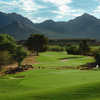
{"type": "Point", "coordinates": [59, 10]}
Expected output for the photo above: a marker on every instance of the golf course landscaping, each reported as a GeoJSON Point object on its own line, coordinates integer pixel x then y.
{"type": "Point", "coordinates": [53, 84]}
{"type": "Point", "coordinates": [61, 59]}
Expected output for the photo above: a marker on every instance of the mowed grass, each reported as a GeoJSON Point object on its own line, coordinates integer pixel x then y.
{"type": "Point", "coordinates": [61, 59]}
{"type": "Point", "coordinates": [51, 85]}
{"type": "Point", "coordinates": [95, 47]}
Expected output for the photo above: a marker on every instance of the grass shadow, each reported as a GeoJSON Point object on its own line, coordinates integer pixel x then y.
{"type": "Point", "coordinates": [70, 58]}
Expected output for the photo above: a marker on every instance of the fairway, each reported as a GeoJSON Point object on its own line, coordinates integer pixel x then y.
{"type": "Point", "coordinates": [61, 59]}
{"type": "Point", "coordinates": [51, 85]}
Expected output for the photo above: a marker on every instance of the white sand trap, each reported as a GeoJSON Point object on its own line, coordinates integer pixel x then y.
{"type": "Point", "coordinates": [64, 60]}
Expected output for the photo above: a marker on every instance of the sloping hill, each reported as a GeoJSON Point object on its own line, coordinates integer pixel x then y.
{"type": "Point", "coordinates": [85, 26]}
{"type": "Point", "coordinates": [19, 30]}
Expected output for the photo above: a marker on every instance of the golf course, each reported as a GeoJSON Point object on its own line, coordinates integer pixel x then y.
{"type": "Point", "coordinates": [61, 59]}
{"type": "Point", "coordinates": [49, 50]}
{"type": "Point", "coordinates": [53, 84]}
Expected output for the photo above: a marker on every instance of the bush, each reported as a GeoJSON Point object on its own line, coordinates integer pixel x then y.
{"type": "Point", "coordinates": [55, 48]}
{"type": "Point", "coordinates": [97, 58]}
{"type": "Point", "coordinates": [94, 51]}
{"type": "Point", "coordinates": [5, 58]}
{"type": "Point", "coordinates": [84, 48]}
{"type": "Point", "coordinates": [72, 50]}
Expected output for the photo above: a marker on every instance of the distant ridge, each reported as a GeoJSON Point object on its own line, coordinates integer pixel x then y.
{"type": "Point", "coordinates": [84, 26]}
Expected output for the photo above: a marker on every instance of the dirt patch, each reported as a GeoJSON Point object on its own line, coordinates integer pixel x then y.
{"type": "Point", "coordinates": [19, 69]}
{"type": "Point", "coordinates": [10, 66]}
{"type": "Point", "coordinates": [30, 60]}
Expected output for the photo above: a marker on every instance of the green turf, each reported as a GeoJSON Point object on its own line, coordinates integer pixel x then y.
{"type": "Point", "coordinates": [51, 85]}
{"type": "Point", "coordinates": [47, 84]}
{"type": "Point", "coordinates": [55, 59]}
{"type": "Point", "coordinates": [95, 47]}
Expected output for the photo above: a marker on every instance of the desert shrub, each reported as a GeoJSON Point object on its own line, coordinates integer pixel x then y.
{"type": "Point", "coordinates": [55, 48]}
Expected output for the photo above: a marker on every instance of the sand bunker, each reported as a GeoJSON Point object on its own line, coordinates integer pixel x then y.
{"type": "Point", "coordinates": [64, 60]}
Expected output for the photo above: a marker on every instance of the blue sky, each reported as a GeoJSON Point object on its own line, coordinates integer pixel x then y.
{"type": "Point", "coordinates": [58, 10]}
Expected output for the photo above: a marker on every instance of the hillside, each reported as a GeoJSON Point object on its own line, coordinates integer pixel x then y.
{"type": "Point", "coordinates": [85, 26]}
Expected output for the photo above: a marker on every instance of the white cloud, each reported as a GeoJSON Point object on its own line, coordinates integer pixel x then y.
{"type": "Point", "coordinates": [29, 8]}
{"type": "Point", "coordinates": [25, 5]}
{"type": "Point", "coordinates": [71, 13]}
{"type": "Point", "coordinates": [97, 10]}
{"type": "Point", "coordinates": [39, 19]}
{"type": "Point", "coordinates": [35, 19]}
{"type": "Point", "coordinates": [61, 5]}
{"type": "Point", "coordinates": [12, 3]}
{"type": "Point", "coordinates": [7, 6]}
{"type": "Point", "coordinates": [26, 8]}
{"type": "Point", "coordinates": [64, 9]}
{"type": "Point", "coordinates": [58, 2]}
{"type": "Point", "coordinates": [29, 5]}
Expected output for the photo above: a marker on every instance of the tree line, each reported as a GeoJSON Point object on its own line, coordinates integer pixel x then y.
{"type": "Point", "coordinates": [11, 51]}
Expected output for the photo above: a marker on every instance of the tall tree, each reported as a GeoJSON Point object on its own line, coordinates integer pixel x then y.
{"type": "Point", "coordinates": [19, 55]}
{"type": "Point", "coordinates": [84, 47]}
{"type": "Point", "coordinates": [5, 58]}
{"type": "Point", "coordinates": [37, 43]}
{"type": "Point", "coordinates": [7, 42]}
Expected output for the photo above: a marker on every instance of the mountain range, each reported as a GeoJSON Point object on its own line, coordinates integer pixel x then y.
{"type": "Point", "coordinates": [84, 26]}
